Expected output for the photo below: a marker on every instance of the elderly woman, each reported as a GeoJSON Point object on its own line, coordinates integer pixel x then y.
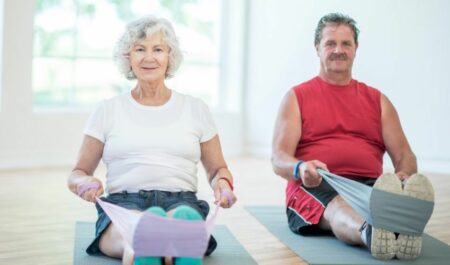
{"type": "Point", "coordinates": [151, 139]}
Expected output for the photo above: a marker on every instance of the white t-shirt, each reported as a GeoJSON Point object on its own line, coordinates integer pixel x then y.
{"type": "Point", "coordinates": [148, 147]}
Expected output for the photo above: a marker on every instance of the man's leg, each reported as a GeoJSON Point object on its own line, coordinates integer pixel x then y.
{"type": "Point", "coordinates": [321, 208]}
{"type": "Point", "coordinates": [343, 221]}
{"type": "Point", "coordinates": [346, 225]}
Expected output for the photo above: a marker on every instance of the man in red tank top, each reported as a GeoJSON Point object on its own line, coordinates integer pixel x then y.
{"type": "Point", "coordinates": [337, 123]}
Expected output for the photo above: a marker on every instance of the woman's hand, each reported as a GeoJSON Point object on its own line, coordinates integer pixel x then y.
{"type": "Point", "coordinates": [89, 191]}
{"type": "Point", "coordinates": [223, 193]}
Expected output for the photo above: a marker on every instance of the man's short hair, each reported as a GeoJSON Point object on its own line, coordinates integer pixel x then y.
{"type": "Point", "coordinates": [336, 19]}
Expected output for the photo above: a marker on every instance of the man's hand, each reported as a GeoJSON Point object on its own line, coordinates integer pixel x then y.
{"type": "Point", "coordinates": [309, 175]}
{"type": "Point", "coordinates": [402, 175]}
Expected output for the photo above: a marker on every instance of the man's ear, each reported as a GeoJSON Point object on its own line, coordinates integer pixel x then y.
{"type": "Point", "coordinates": [317, 48]}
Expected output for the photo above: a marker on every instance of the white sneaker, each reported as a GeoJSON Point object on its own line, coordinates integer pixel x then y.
{"type": "Point", "coordinates": [417, 186]}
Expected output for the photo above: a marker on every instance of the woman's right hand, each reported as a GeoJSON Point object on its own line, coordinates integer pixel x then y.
{"type": "Point", "coordinates": [89, 191]}
{"type": "Point", "coordinates": [309, 175]}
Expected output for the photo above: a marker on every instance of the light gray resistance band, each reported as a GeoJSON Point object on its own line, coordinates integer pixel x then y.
{"type": "Point", "coordinates": [381, 209]}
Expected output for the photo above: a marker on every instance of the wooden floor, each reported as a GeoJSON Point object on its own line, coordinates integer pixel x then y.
{"type": "Point", "coordinates": [38, 213]}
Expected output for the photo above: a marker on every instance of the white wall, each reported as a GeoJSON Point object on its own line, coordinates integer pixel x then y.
{"type": "Point", "coordinates": [404, 52]}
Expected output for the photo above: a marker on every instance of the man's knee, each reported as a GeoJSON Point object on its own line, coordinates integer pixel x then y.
{"type": "Point", "coordinates": [336, 208]}
{"type": "Point", "coordinates": [333, 206]}
{"type": "Point", "coordinates": [329, 213]}
{"type": "Point", "coordinates": [340, 214]}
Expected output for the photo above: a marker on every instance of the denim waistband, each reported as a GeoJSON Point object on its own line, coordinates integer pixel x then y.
{"type": "Point", "coordinates": [152, 193]}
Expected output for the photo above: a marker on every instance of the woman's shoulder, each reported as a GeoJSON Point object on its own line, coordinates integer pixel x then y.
{"type": "Point", "coordinates": [109, 105]}
{"type": "Point", "coordinates": [193, 105]}
{"type": "Point", "coordinates": [115, 100]}
{"type": "Point", "coordinates": [193, 101]}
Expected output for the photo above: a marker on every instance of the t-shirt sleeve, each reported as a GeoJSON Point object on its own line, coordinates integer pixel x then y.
{"type": "Point", "coordinates": [208, 128]}
{"type": "Point", "coordinates": [96, 124]}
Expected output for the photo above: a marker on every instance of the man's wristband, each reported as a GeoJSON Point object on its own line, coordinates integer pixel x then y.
{"type": "Point", "coordinates": [295, 172]}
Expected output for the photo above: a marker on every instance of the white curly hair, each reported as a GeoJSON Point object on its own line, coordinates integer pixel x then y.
{"type": "Point", "coordinates": [140, 29]}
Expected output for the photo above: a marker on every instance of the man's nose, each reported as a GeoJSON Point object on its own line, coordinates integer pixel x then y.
{"type": "Point", "coordinates": [338, 49]}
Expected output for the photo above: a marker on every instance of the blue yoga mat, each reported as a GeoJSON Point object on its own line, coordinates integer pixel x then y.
{"type": "Point", "coordinates": [326, 249]}
{"type": "Point", "coordinates": [228, 251]}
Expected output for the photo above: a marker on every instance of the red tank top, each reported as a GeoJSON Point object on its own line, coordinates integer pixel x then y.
{"type": "Point", "coordinates": [341, 126]}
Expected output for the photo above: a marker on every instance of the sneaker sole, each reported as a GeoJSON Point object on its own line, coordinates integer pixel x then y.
{"type": "Point", "coordinates": [384, 244]}
{"type": "Point", "coordinates": [417, 186]}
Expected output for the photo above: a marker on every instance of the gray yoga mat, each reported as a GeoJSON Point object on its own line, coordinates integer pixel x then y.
{"type": "Point", "coordinates": [326, 249]}
{"type": "Point", "coordinates": [228, 251]}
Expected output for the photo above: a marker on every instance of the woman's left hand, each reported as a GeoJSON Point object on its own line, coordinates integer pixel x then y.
{"type": "Point", "coordinates": [224, 194]}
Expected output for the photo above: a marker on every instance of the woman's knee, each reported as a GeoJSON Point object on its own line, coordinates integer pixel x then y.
{"type": "Point", "coordinates": [111, 242]}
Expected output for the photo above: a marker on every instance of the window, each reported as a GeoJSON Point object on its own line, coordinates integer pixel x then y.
{"type": "Point", "coordinates": [74, 41]}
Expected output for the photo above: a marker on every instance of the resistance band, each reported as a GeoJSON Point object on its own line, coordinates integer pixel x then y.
{"type": "Point", "coordinates": [151, 235]}
{"type": "Point", "coordinates": [390, 211]}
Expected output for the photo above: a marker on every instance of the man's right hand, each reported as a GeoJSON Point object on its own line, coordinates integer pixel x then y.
{"type": "Point", "coordinates": [309, 175]}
